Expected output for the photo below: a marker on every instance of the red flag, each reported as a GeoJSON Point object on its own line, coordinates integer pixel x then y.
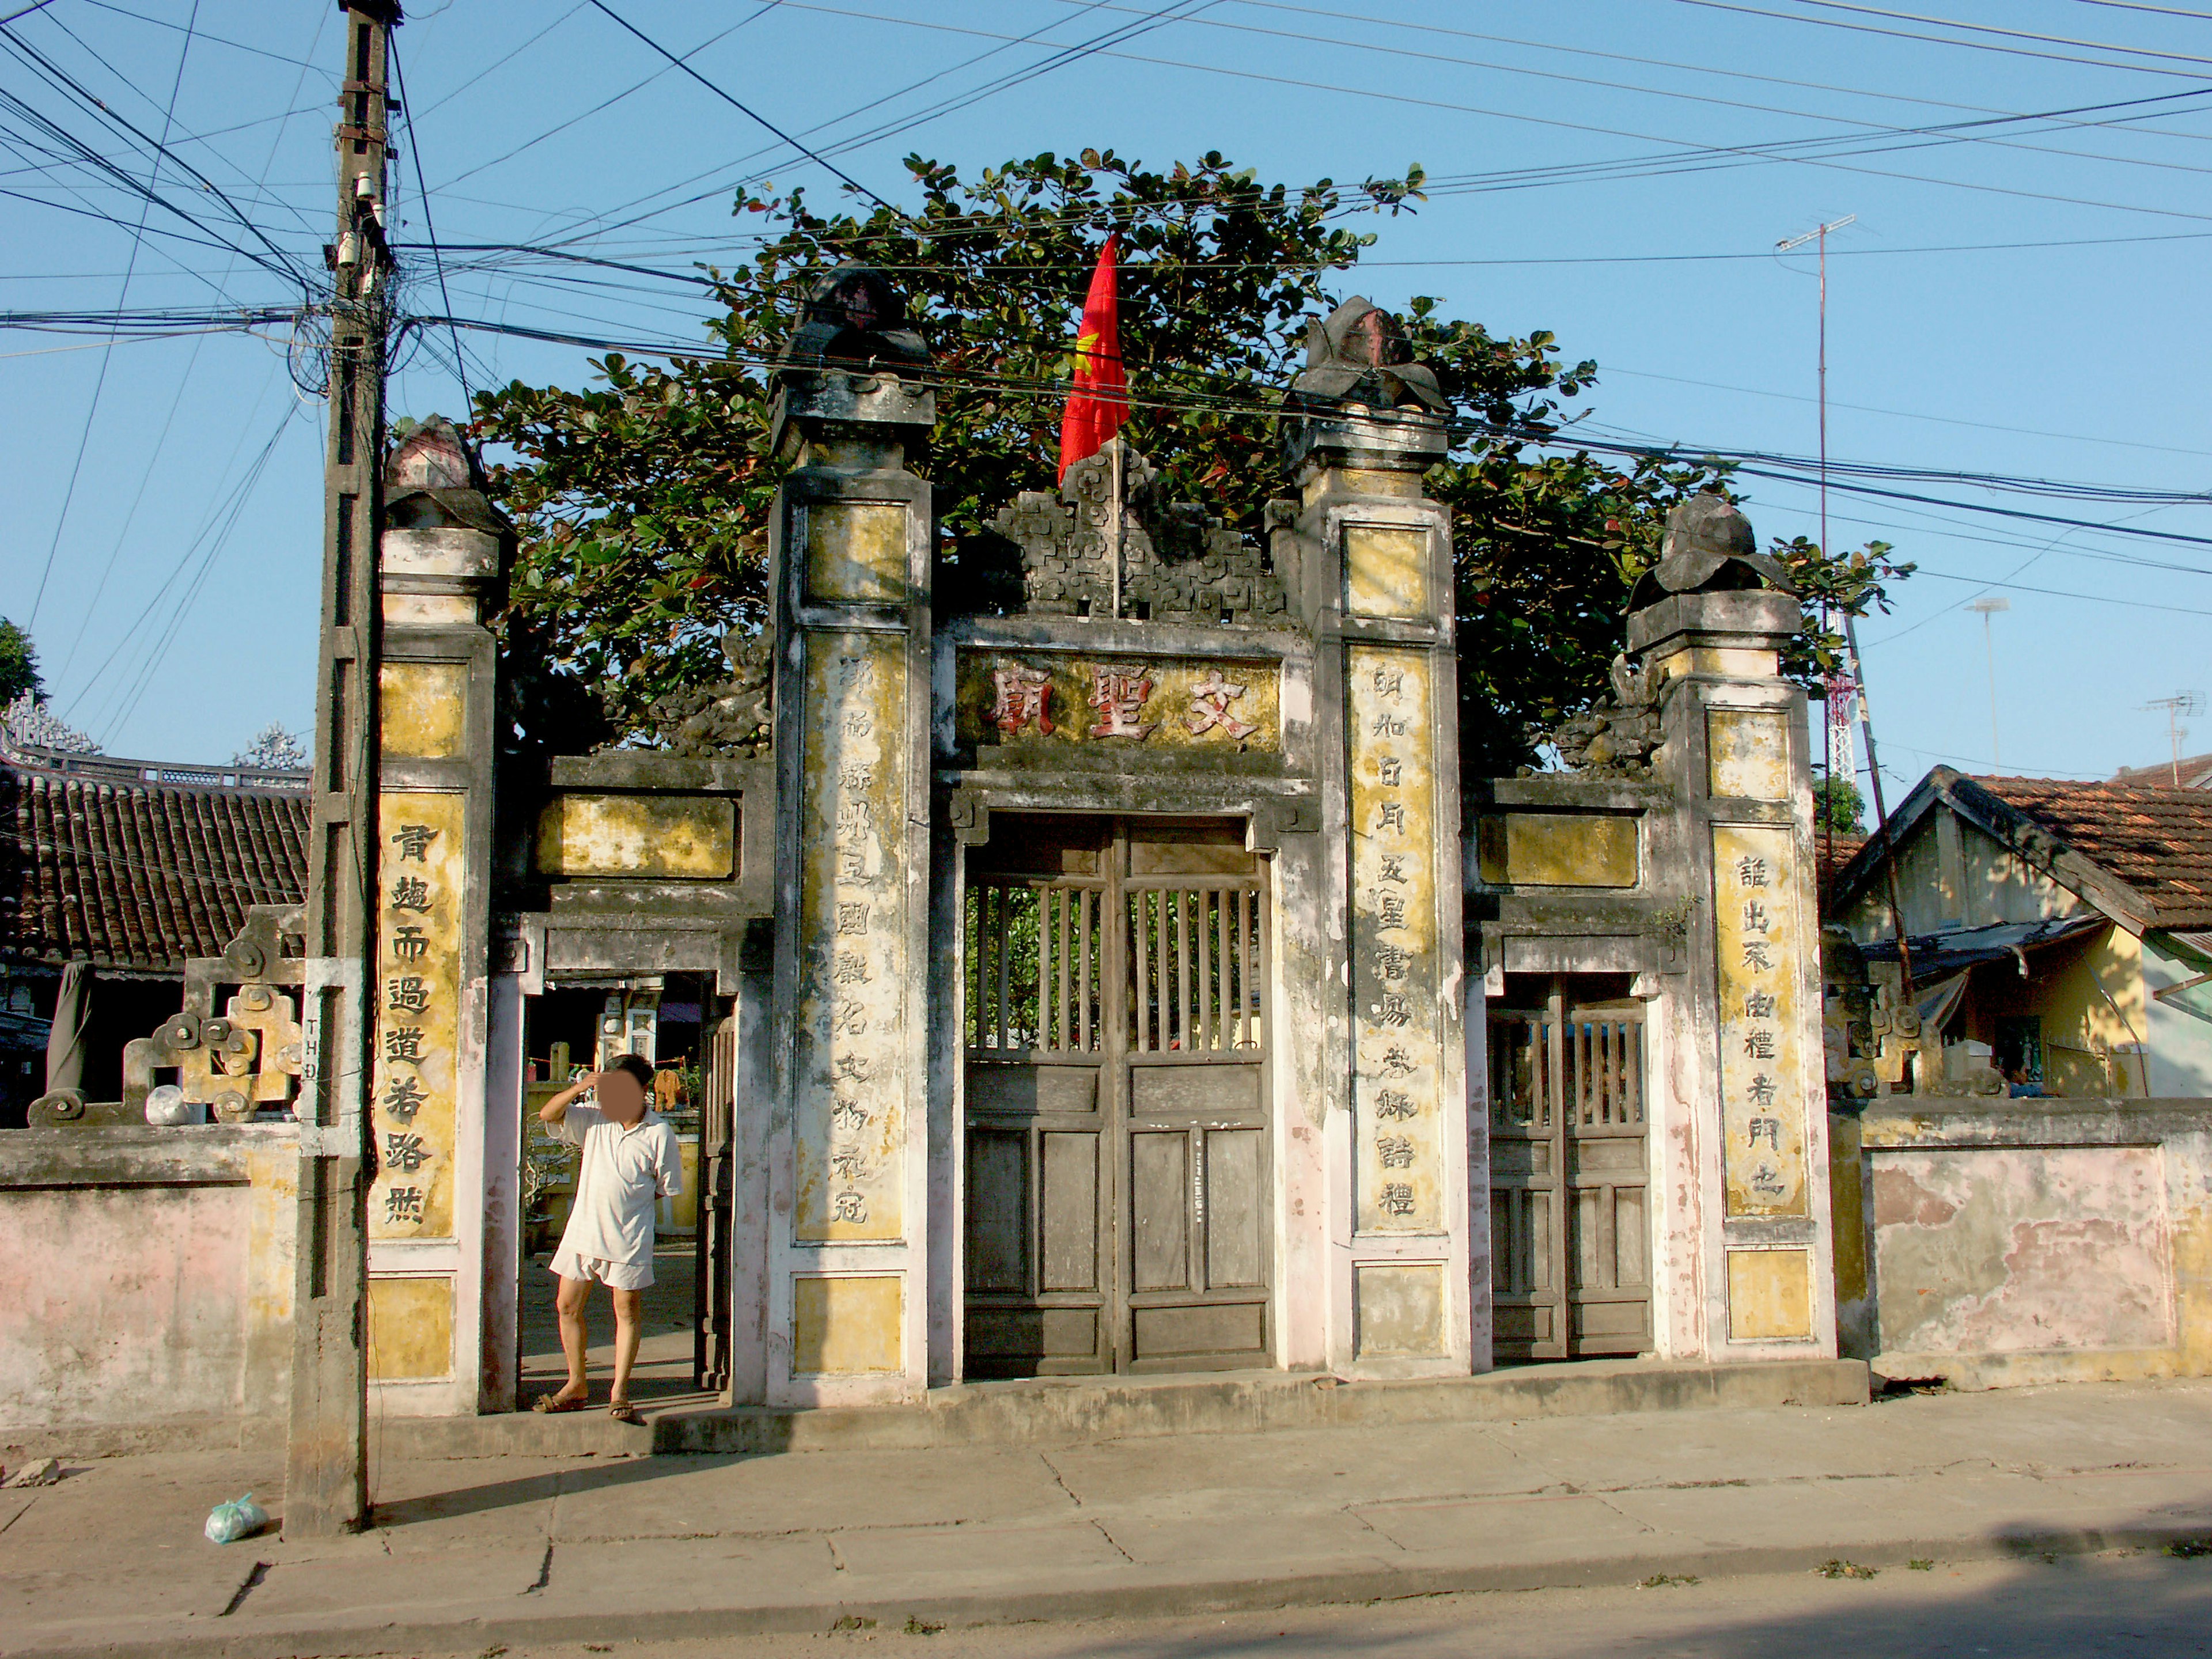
{"type": "Point", "coordinates": [1099, 402]}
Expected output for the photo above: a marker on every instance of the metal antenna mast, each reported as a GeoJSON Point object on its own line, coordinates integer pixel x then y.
{"type": "Point", "coordinates": [1987, 606]}
{"type": "Point", "coordinates": [1820, 235]}
{"type": "Point", "coordinates": [2182, 705]}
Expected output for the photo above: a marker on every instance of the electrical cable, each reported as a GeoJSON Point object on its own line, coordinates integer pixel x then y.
{"type": "Point", "coordinates": [429, 229]}
{"type": "Point", "coordinates": [100, 380]}
{"type": "Point", "coordinates": [1936, 39]}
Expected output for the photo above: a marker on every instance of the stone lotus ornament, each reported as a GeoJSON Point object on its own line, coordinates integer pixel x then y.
{"type": "Point", "coordinates": [1358, 355]}
{"type": "Point", "coordinates": [1709, 548]}
{"type": "Point", "coordinates": [853, 318]}
{"type": "Point", "coordinates": [432, 481]}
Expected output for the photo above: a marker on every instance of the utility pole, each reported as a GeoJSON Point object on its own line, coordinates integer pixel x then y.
{"type": "Point", "coordinates": [1820, 235]}
{"type": "Point", "coordinates": [1987, 606]}
{"type": "Point", "coordinates": [326, 1467]}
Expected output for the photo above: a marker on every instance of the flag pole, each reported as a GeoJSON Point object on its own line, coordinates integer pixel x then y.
{"type": "Point", "coordinates": [1115, 509]}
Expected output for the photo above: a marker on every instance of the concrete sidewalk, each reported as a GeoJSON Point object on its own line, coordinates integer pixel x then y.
{"type": "Point", "coordinates": [471, 1554]}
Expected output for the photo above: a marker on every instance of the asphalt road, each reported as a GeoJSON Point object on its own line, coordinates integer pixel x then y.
{"type": "Point", "coordinates": [2146, 1605]}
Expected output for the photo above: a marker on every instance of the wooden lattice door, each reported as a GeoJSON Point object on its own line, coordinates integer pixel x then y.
{"type": "Point", "coordinates": [1570, 1248]}
{"type": "Point", "coordinates": [1117, 1166]}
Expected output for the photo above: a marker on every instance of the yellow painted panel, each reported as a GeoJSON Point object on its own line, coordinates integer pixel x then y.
{"type": "Point", "coordinates": [845, 1326]}
{"type": "Point", "coordinates": [856, 551]}
{"type": "Point", "coordinates": [1397, 1044]}
{"type": "Point", "coordinates": [411, 1330]}
{"type": "Point", "coordinates": [1758, 943]}
{"type": "Point", "coordinates": [1559, 849]}
{"type": "Point", "coordinates": [1747, 753]}
{"type": "Point", "coordinates": [850, 1053]}
{"type": "Point", "coordinates": [1003, 699]}
{"type": "Point", "coordinates": [1386, 570]}
{"type": "Point", "coordinates": [1736, 662]}
{"type": "Point", "coordinates": [422, 709]}
{"type": "Point", "coordinates": [423, 887]}
{"type": "Point", "coordinates": [1770, 1295]}
{"type": "Point", "coordinates": [429, 610]}
{"type": "Point", "coordinates": [1400, 1310]}
{"type": "Point", "coordinates": [689, 837]}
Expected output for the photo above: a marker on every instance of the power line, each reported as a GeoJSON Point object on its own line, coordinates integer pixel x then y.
{"type": "Point", "coordinates": [429, 229]}
{"type": "Point", "coordinates": [2011, 34]}
{"type": "Point", "coordinates": [1935, 39]}
{"type": "Point", "coordinates": [99, 381]}
{"type": "Point", "coordinates": [742, 108]}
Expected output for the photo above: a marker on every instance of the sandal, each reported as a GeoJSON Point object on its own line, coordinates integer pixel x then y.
{"type": "Point", "coordinates": [623, 1412]}
{"type": "Point", "coordinates": [550, 1404]}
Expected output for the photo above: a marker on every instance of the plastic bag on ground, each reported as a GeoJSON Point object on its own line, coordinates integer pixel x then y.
{"type": "Point", "coordinates": [229, 1523]}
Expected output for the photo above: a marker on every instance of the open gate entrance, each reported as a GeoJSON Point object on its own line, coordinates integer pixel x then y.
{"type": "Point", "coordinates": [1571, 1246]}
{"type": "Point", "coordinates": [1118, 1174]}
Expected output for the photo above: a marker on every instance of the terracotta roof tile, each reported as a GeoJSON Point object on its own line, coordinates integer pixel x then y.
{"type": "Point", "coordinates": [140, 876]}
{"type": "Point", "coordinates": [2157, 841]}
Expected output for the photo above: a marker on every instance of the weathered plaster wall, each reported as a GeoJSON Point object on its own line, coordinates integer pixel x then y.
{"type": "Point", "coordinates": [2093, 1017]}
{"type": "Point", "coordinates": [2034, 1241]}
{"type": "Point", "coordinates": [145, 1285]}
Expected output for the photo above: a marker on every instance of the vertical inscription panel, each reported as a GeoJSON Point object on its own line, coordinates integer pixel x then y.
{"type": "Point", "coordinates": [422, 884]}
{"type": "Point", "coordinates": [1757, 935]}
{"type": "Point", "coordinates": [1397, 1053]}
{"type": "Point", "coordinates": [849, 1112]}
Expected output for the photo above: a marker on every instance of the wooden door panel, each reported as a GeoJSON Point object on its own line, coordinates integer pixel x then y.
{"type": "Point", "coordinates": [1068, 1211]}
{"type": "Point", "coordinates": [998, 1211]}
{"type": "Point", "coordinates": [1235, 1209]}
{"type": "Point", "coordinates": [1159, 1211]}
{"type": "Point", "coordinates": [1194, 1335]}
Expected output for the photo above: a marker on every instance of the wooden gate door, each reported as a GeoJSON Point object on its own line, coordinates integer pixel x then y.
{"type": "Point", "coordinates": [712, 1270]}
{"type": "Point", "coordinates": [1118, 1177]}
{"type": "Point", "coordinates": [1571, 1249]}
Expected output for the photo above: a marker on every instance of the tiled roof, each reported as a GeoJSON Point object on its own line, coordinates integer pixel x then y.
{"type": "Point", "coordinates": [2157, 841]}
{"type": "Point", "coordinates": [2193, 772]}
{"type": "Point", "coordinates": [140, 876]}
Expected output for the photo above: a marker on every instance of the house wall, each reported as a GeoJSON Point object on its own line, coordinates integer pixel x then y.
{"type": "Point", "coordinates": [2179, 1028]}
{"type": "Point", "coordinates": [146, 1279]}
{"type": "Point", "coordinates": [2018, 1242]}
{"type": "Point", "coordinates": [1956, 877]}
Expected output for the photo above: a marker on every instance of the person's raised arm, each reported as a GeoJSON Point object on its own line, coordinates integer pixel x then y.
{"type": "Point", "coordinates": [555, 1110]}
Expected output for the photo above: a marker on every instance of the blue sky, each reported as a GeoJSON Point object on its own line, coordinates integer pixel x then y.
{"type": "Point", "coordinates": [174, 531]}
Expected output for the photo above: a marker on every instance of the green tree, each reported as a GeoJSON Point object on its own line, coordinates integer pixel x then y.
{"type": "Point", "coordinates": [18, 666]}
{"type": "Point", "coordinates": [644, 501]}
{"type": "Point", "coordinates": [1838, 806]}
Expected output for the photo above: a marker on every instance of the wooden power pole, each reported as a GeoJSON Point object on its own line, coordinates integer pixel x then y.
{"type": "Point", "coordinates": [326, 1469]}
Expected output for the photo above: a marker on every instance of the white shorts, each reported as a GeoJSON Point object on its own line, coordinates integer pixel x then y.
{"type": "Point", "coordinates": [615, 1275]}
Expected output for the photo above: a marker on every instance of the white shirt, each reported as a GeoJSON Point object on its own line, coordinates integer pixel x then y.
{"type": "Point", "coordinates": [622, 1172]}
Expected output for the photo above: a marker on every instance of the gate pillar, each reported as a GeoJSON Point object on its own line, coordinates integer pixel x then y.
{"type": "Point", "coordinates": [1743, 1269]}
{"type": "Point", "coordinates": [1375, 574]}
{"type": "Point", "coordinates": [443, 1215]}
{"type": "Point", "coordinates": [848, 1280]}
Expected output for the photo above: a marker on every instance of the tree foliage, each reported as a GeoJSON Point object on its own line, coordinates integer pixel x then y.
{"type": "Point", "coordinates": [18, 666]}
{"type": "Point", "coordinates": [1839, 805]}
{"type": "Point", "coordinates": [645, 499]}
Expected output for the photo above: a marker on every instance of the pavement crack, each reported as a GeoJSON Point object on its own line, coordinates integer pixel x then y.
{"type": "Point", "coordinates": [1353, 1511]}
{"type": "Point", "coordinates": [18, 1515]}
{"type": "Point", "coordinates": [1114, 1542]}
{"type": "Point", "coordinates": [836, 1555]}
{"type": "Point", "coordinates": [1058, 1479]}
{"type": "Point", "coordinates": [246, 1588]}
{"type": "Point", "coordinates": [544, 1571]}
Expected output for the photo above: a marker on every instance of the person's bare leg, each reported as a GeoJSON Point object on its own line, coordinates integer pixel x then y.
{"type": "Point", "coordinates": [630, 1317]}
{"type": "Point", "coordinates": [570, 1306]}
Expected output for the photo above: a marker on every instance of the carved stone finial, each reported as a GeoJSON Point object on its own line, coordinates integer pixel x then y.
{"type": "Point", "coordinates": [1709, 548]}
{"type": "Point", "coordinates": [432, 479]}
{"type": "Point", "coordinates": [1617, 738]}
{"type": "Point", "coordinates": [855, 318]}
{"type": "Point", "coordinates": [1358, 355]}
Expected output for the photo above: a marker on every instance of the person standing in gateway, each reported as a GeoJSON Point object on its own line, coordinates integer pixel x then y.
{"type": "Point", "coordinates": [630, 1162]}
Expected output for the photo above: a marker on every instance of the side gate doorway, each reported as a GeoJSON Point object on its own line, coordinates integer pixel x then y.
{"type": "Point", "coordinates": [1570, 1250]}
{"type": "Point", "coordinates": [1119, 1187]}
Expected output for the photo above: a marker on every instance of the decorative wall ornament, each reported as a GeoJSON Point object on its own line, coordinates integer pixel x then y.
{"type": "Point", "coordinates": [249, 1055]}
{"type": "Point", "coordinates": [1178, 564]}
{"type": "Point", "coordinates": [1617, 737]}
{"type": "Point", "coordinates": [735, 716]}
